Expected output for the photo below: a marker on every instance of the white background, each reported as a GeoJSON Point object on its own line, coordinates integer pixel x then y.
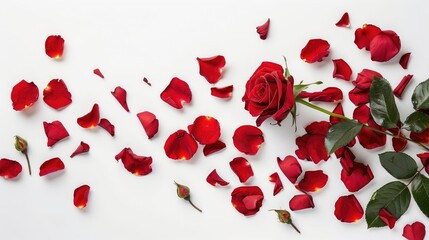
{"type": "Point", "coordinates": [129, 40]}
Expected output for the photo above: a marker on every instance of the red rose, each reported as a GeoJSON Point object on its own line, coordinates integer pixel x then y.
{"type": "Point", "coordinates": [247, 200]}
{"type": "Point", "coordinates": [269, 94]}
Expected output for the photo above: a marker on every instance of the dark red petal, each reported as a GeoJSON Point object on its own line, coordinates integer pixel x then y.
{"type": "Point", "coordinates": [402, 85]}
{"type": "Point", "coordinates": [301, 201]}
{"type": "Point", "coordinates": [315, 50]}
{"type": "Point", "coordinates": [337, 110]}
{"type": "Point", "coordinates": [247, 199]}
{"type": "Point", "coordinates": [24, 95]}
{"type": "Point", "coordinates": [342, 69]}
{"type": "Point", "coordinates": [80, 196]}
{"type": "Point", "coordinates": [82, 148]}
{"type": "Point", "coordinates": [424, 158]}
{"type": "Point", "coordinates": [330, 94]}
{"type": "Point", "coordinates": [403, 61]}
{"type": "Point", "coordinates": [135, 164]}
{"type": "Point", "coordinates": [106, 125]}
{"type": "Point", "coordinates": [55, 132]}
{"type": "Point", "coordinates": [206, 130]}
{"type": "Point", "coordinates": [54, 46]}
{"type": "Point", "coordinates": [50, 166]}
{"type": "Point", "coordinates": [177, 93]}
{"type": "Point", "coordinates": [121, 95]}
{"type": "Point", "coordinates": [415, 231]}
{"type": "Point", "coordinates": [149, 122]}
{"type": "Point", "coordinates": [248, 139]}
{"type": "Point", "coordinates": [242, 168]}
{"type": "Point", "coordinates": [422, 137]}
{"type": "Point", "coordinates": [91, 119]}
{"type": "Point", "coordinates": [278, 185]}
{"type": "Point", "coordinates": [344, 21]}
{"type": "Point", "coordinates": [364, 35]}
{"type": "Point", "coordinates": [311, 146]}
{"type": "Point", "coordinates": [211, 67]}
{"type": "Point", "coordinates": [348, 209]}
{"type": "Point", "coordinates": [145, 80]}
{"type": "Point", "coordinates": [180, 145]}
{"type": "Point", "coordinates": [214, 147]}
{"type": "Point", "coordinates": [355, 175]}
{"type": "Point", "coordinates": [222, 92]}
{"type": "Point", "coordinates": [398, 144]}
{"type": "Point", "coordinates": [98, 73]}
{"type": "Point", "coordinates": [313, 181]}
{"type": "Point", "coordinates": [9, 168]}
{"type": "Point", "coordinates": [263, 29]}
{"type": "Point", "coordinates": [384, 46]}
{"type": "Point", "coordinates": [214, 179]}
{"type": "Point", "coordinates": [387, 218]}
{"type": "Point", "coordinates": [368, 138]}
{"type": "Point", "coordinates": [56, 94]}
{"type": "Point", "coordinates": [290, 167]}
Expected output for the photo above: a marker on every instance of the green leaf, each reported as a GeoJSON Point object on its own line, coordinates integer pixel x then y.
{"type": "Point", "coordinates": [394, 197]}
{"type": "Point", "coordinates": [420, 96]}
{"type": "Point", "coordinates": [341, 134]}
{"type": "Point", "coordinates": [420, 190]}
{"type": "Point", "coordinates": [417, 122]}
{"type": "Point", "coordinates": [382, 103]}
{"type": "Point", "coordinates": [399, 165]}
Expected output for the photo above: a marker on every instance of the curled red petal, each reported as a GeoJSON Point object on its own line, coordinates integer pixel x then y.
{"type": "Point", "coordinates": [263, 29]}
{"type": "Point", "coordinates": [403, 61]}
{"type": "Point", "coordinates": [106, 125]}
{"type": "Point", "coordinates": [211, 67]}
{"type": "Point", "coordinates": [342, 69]}
{"type": "Point", "coordinates": [206, 130]}
{"type": "Point", "coordinates": [82, 148]}
{"type": "Point", "coordinates": [300, 202]}
{"type": "Point", "coordinates": [278, 185]}
{"type": "Point", "coordinates": [214, 179]}
{"type": "Point", "coordinates": [348, 209]}
{"type": "Point", "coordinates": [337, 110]}
{"type": "Point", "coordinates": [415, 231]}
{"type": "Point", "coordinates": [214, 147]}
{"type": "Point", "coordinates": [329, 94]}
{"type": "Point", "coordinates": [177, 93]}
{"type": "Point", "coordinates": [121, 95]}
{"type": "Point", "coordinates": [344, 21]}
{"type": "Point", "coordinates": [56, 94]}
{"type": "Point", "coordinates": [384, 46]}
{"type": "Point", "coordinates": [368, 138]}
{"type": "Point", "coordinates": [248, 139]}
{"type": "Point", "coordinates": [180, 145]}
{"type": "Point", "coordinates": [387, 218]}
{"type": "Point", "coordinates": [242, 168]}
{"type": "Point", "coordinates": [247, 199]}
{"type": "Point", "coordinates": [91, 119]}
{"type": "Point", "coordinates": [402, 85]}
{"type": "Point", "coordinates": [313, 181]}
{"type": "Point", "coordinates": [354, 175]}
{"type": "Point", "coordinates": [315, 50]}
{"type": "Point", "coordinates": [98, 73]}
{"type": "Point", "coordinates": [360, 94]}
{"type": "Point", "coordinates": [222, 92]}
{"type": "Point", "coordinates": [398, 144]}
{"type": "Point", "coordinates": [149, 122]}
{"type": "Point", "coordinates": [50, 166]}
{"type": "Point", "coordinates": [424, 158]}
{"type": "Point", "coordinates": [311, 146]}
{"type": "Point", "coordinates": [80, 196]}
{"type": "Point", "coordinates": [55, 131]}
{"type": "Point", "coordinates": [135, 164]}
{"type": "Point", "coordinates": [290, 167]}
{"type": "Point", "coordinates": [364, 35]}
{"type": "Point", "coordinates": [54, 46]}
{"type": "Point", "coordinates": [9, 168]}
{"type": "Point", "coordinates": [24, 95]}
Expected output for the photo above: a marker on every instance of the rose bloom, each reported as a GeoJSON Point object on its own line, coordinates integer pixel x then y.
{"type": "Point", "coordinates": [269, 94]}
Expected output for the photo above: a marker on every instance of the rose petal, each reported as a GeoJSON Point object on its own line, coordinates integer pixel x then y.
{"type": "Point", "coordinates": [222, 92]}
{"type": "Point", "coordinates": [344, 21]}
{"type": "Point", "coordinates": [98, 73]}
{"type": "Point", "coordinates": [360, 94]}
{"type": "Point", "coordinates": [402, 85]}
{"type": "Point", "coordinates": [54, 46]}
{"type": "Point", "coordinates": [55, 132]}
{"type": "Point", "coordinates": [368, 138]}
{"type": "Point", "coordinates": [242, 168]}
{"type": "Point", "coordinates": [177, 93]}
{"type": "Point", "coordinates": [214, 147]}
{"type": "Point", "coordinates": [278, 185]}
{"type": "Point", "coordinates": [364, 35]}
{"type": "Point", "coordinates": [9, 168]}
{"type": "Point", "coordinates": [313, 181]}
{"type": "Point", "coordinates": [263, 29]}
{"type": "Point", "coordinates": [56, 94]}
{"type": "Point", "coordinates": [135, 164]}
{"type": "Point", "coordinates": [206, 130]}
{"type": "Point", "coordinates": [24, 95]}
{"type": "Point", "coordinates": [387, 218]}
{"type": "Point", "coordinates": [354, 175]}
{"type": "Point", "coordinates": [121, 95]}
{"type": "Point", "coordinates": [214, 179]}
{"type": "Point", "coordinates": [211, 68]}
{"type": "Point", "coordinates": [315, 50]}
{"type": "Point", "coordinates": [106, 125]}
{"type": "Point", "coordinates": [80, 196]}
{"type": "Point", "coordinates": [311, 146]}
{"type": "Point", "coordinates": [342, 69]}
{"type": "Point", "coordinates": [330, 94]}
{"type": "Point", "coordinates": [248, 139]}
{"type": "Point", "coordinates": [149, 122]}
{"type": "Point", "coordinates": [415, 231]}
{"type": "Point", "coordinates": [424, 158]}
{"type": "Point", "coordinates": [91, 119]}
{"type": "Point", "coordinates": [180, 145]}
{"type": "Point", "coordinates": [422, 137]}
{"type": "Point", "coordinates": [82, 148]}
{"type": "Point", "coordinates": [300, 202]}
{"type": "Point", "coordinates": [337, 110]}
{"type": "Point", "coordinates": [384, 46]}
{"type": "Point", "coordinates": [247, 199]}
{"type": "Point", "coordinates": [290, 167]}
{"type": "Point", "coordinates": [348, 209]}
{"type": "Point", "coordinates": [403, 61]}
{"type": "Point", "coordinates": [50, 166]}
{"type": "Point", "coordinates": [398, 144]}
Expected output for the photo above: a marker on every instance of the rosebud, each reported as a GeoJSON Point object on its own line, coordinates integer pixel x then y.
{"type": "Point", "coordinates": [184, 193]}
{"type": "Point", "coordinates": [21, 144]}
{"type": "Point", "coordinates": [284, 217]}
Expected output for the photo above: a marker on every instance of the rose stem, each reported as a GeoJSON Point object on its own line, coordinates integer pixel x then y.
{"type": "Point", "coordinates": [28, 161]}
{"type": "Point", "coordinates": [193, 205]}
{"type": "Point", "coordinates": [293, 225]}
